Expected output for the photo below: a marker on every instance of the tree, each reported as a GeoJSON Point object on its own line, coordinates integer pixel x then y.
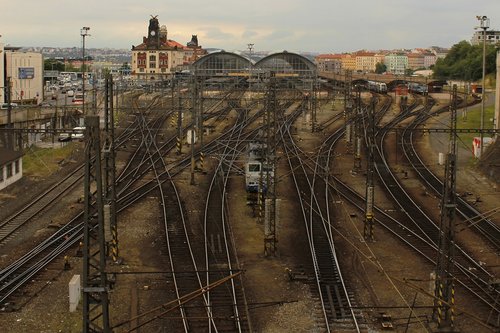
{"type": "Point", "coordinates": [465, 62]}
{"type": "Point", "coordinates": [53, 65]}
{"type": "Point", "coordinates": [380, 68]}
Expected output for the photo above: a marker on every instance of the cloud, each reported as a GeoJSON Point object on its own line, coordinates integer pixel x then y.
{"type": "Point", "coordinates": [320, 25]}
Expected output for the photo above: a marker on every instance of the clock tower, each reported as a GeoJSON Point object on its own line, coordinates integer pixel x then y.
{"type": "Point", "coordinates": [154, 32]}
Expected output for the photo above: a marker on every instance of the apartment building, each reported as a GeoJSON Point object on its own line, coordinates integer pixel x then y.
{"type": "Point", "coordinates": [329, 63]}
{"type": "Point", "coordinates": [396, 63]}
{"type": "Point", "coordinates": [365, 61]}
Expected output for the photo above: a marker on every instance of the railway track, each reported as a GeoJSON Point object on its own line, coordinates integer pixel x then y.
{"type": "Point", "coordinates": [419, 242]}
{"type": "Point", "coordinates": [468, 272]}
{"type": "Point", "coordinates": [227, 304]}
{"type": "Point", "coordinates": [335, 301]}
{"type": "Point", "coordinates": [24, 268]}
{"type": "Point", "coordinates": [185, 276]}
{"type": "Point", "coordinates": [10, 225]}
{"type": "Point", "coordinates": [476, 220]}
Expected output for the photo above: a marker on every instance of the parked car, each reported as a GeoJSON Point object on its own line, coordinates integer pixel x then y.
{"type": "Point", "coordinates": [64, 137]}
{"type": "Point", "coordinates": [70, 93]}
{"type": "Point", "coordinates": [5, 106]}
{"type": "Point", "coordinates": [78, 136]}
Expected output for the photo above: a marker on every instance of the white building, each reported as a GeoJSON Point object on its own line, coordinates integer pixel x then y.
{"type": "Point", "coordinates": [396, 63]}
{"type": "Point", "coordinates": [492, 37]}
{"type": "Point", "coordinates": [25, 70]}
{"type": "Point", "coordinates": [11, 167]}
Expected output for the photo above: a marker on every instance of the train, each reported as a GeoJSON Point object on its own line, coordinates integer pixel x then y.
{"type": "Point", "coordinates": [255, 167]}
{"type": "Point", "coordinates": [375, 86]}
{"type": "Point", "coordinates": [417, 88]}
{"type": "Point", "coordinates": [378, 87]}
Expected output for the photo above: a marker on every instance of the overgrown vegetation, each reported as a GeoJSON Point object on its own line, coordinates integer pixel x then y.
{"type": "Point", "coordinates": [465, 62]}
{"type": "Point", "coordinates": [41, 162]}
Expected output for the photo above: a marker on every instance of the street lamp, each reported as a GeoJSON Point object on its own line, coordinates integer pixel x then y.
{"type": "Point", "coordinates": [84, 32]}
{"type": "Point", "coordinates": [484, 24]}
{"type": "Point", "coordinates": [250, 48]}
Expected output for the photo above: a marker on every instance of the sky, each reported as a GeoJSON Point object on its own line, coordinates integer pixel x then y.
{"type": "Point", "coordinates": [325, 26]}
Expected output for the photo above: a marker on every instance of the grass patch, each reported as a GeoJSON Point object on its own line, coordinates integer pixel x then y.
{"type": "Point", "coordinates": [41, 162]}
{"type": "Point", "coordinates": [473, 120]}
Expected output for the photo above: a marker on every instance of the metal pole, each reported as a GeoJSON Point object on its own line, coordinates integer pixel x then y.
{"type": "Point", "coordinates": [83, 32]}
{"type": "Point", "coordinates": [485, 22]}
{"type": "Point", "coordinates": [483, 92]}
{"type": "Point", "coordinates": [8, 95]}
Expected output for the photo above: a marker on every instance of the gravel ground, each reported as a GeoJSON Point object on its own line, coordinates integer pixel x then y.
{"type": "Point", "coordinates": [375, 271]}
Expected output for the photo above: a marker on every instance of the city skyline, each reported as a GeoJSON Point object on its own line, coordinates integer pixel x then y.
{"type": "Point", "coordinates": [294, 25]}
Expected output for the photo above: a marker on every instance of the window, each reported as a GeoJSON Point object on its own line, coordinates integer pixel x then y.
{"type": "Point", "coordinates": [16, 166]}
{"type": "Point", "coordinates": [9, 170]}
{"type": "Point", "coordinates": [1, 173]}
{"type": "Point", "coordinates": [152, 58]}
{"type": "Point", "coordinates": [254, 167]}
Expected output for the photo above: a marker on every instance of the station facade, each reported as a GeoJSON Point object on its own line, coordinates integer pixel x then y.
{"type": "Point", "coordinates": [158, 57]}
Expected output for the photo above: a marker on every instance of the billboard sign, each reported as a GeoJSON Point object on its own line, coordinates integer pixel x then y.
{"type": "Point", "coordinates": [26, 72]}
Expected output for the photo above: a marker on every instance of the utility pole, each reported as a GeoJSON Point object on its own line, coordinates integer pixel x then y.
{"type": "Point", "coordinates": [358, 126]}
{"type": "Point", "coordinates": [200, 121]}
{"type": "Point", "coordinates": [110, 169]}
{"type": "Point", "coordinates": [445, 288]}
{"type": "Point", "coordinates": [348, 107]}
{"type": "Point", "coordinates": [269, 166]}
{"type": "Point", "coordinates": [179, 116]}
{"type": "Point", "coordinates": [195, 120]}
{"type": "Point", "coordinates": [8, 97]}
{"type": "Point", "coordinates": [370, 166]}
{"type": "Point", "coordinates": [84, 32]}
{"type": "Point", "coordinates": [313, 106]}
{"type": "Point", "coordinates": [94, 281]}
{"type": "Point", "coordinates": [484, 24]}
{"type": "Point", "coordinates": [250, 65]}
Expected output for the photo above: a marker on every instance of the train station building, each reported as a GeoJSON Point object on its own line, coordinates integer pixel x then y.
{"type": "Point", "coordinates": [158, 57]}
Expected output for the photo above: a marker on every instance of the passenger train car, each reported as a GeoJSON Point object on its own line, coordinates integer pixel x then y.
{"type": "Point", "coordinates": [417, 88]}
{"type": "Point", "coordinates": [378, 87]}
{"type": "Point", "coordinates": [255, 167]}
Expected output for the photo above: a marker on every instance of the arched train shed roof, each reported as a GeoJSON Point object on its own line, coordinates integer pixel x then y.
{"type": "Point", "coordinates": [221, 63]}
{"type": "Point", "coordinates": [227, 63]}
{"type": "Point", "coordinates": [287, 63]}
